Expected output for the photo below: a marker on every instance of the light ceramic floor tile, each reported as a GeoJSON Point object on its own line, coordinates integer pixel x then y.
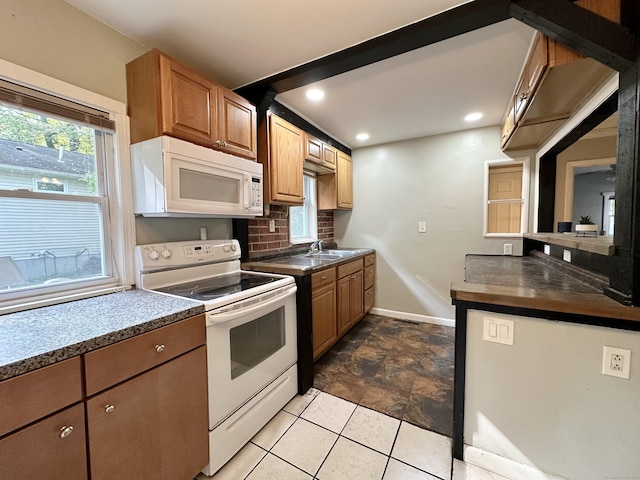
{"type": "Point", "coordinates": [401, 471]}
{"type": "Point", "coordinates": [372, 429]}
{"type": "Point", "coordinates": [351, 461]}
{"type": "Point", "coordinates": [466, 471]}
{"type": "Point", "coordinates": [240, 465]}
{"type": "Point", "coordinates": [329, 411]}
{"type": "Point", "coordinates": [423, 449]}
{"type": "Point", "coordinates": [305, 445]}
{"type": "Point", "coordinates": [272, 468]}
{"type": "Point", "coordinates": [298, 403]}
{"type": "Point", "coordinates": [272, 431]}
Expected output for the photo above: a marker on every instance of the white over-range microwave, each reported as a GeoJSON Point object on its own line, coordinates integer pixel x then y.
{"type": "Point", "coordinates": [172, 177]}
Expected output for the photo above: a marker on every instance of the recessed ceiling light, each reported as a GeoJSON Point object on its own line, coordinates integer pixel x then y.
{"type": "Point", "coordinates": [473, 117]}
{"type": "Point", "coordinates": [362, 136]}
{"type": "Point", "coordinates": [315, 94]}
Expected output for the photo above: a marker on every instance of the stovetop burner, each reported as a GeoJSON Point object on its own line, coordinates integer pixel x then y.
{"type": "Point", "coordinates": [217, 287]}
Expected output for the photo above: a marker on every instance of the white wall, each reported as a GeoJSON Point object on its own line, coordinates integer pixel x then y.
{"type": "Point", "coordinates": [543, 401]}
{"type": "Point", "coordinates": [439, 180]}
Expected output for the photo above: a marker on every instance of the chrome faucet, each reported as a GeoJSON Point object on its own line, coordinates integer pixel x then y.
{"type": "Point", "coordinates": [316, 246]}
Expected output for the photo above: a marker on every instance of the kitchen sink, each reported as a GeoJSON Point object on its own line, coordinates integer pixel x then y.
{"type": "Point", "coordinates": [331, 253]}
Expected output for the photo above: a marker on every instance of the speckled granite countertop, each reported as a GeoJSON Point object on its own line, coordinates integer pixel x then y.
{"type": "Point", "coordinates": [303, 265]}
{"type": "Point", "coordinates": [530, 283]}
{"type": "Point", "coordinates": [43, 336]}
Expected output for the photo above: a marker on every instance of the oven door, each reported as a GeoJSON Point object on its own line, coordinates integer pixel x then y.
{"type": "Point", "coordinates": [249, 344]}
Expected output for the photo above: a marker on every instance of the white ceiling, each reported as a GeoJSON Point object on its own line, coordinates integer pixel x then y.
{"type": "Point", "coordinates": [420, 93]}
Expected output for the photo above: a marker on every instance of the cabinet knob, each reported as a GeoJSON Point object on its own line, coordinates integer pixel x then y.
{"type": "Point", "coordinates": [109, 408]}
{"type": "Point", "coordinates": [224, 144]}
{"type": "Point", "coordinates": [324, 277]}
{"type": "Point", "coordinates": [160, 348]}
{"type": "Point", "coordinates": [65, 431]}
{"type": "Point", "coordinates": [217, 142]}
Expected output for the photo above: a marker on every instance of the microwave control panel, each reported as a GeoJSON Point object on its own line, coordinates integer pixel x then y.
{"type": "Point", "coordinates": [256, 192]}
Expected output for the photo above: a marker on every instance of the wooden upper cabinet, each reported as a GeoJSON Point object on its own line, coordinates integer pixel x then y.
{"type": "Point", "coordinates": [329, 156]}
{"type": "Point", "coordinates": [237, 124]}
{"type": "Point", "coordinates": [313, 149]}
{"type": "Point", "coordinates": [165, 97]}
{"type": "Point", "coordinates": [335, 192]}
{"type": "Point", "coordinates": [282, 156]}
{"type": "Point", "coordinates": [345, 181]}
{"type": "Point", "coordinates": [189, 103]}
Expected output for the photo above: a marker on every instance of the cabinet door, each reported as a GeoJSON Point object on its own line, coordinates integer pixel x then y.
{"type": "Point", "coordinates": [313, 149]}
{"type": "Point", "coordinates": [47, 451]}
{"type": "Point", "coordinates": [323, 306]}
{"type": "Point", "coordinates": [344, 310]}
{"type": "Point", "coordinates": [345, 181]}
{"type": "Point", "coordinates": [356, 297]}
{"type": "Point", "coordinates": [286, 159]}
{"type": "Point", "coordinates": [154, 426]}
{"type": "Point", "coordinates": [188, 101]}
{"type": "Point", "coordinates": [236, 125]}
{"type": "Point", "coordinates": [329, 155]}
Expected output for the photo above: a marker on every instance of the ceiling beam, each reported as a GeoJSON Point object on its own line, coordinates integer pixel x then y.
{"type": "Point", "coordinates": [465, 18]}
{"type": "Point", "coordinates": [586, 32]}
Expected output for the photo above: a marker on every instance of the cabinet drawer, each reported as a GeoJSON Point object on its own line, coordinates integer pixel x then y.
{"type": "Point", "coordinates": [26, 398]}
{"type": "Point", "coordinates": [39, 452]}
{"type": "Point", "coordinates": [369, 276]}
{"type": "Point", "coordinates": [349, 268]}
{"type": "Point", "coordinates": [370, 260]}
{"type": "Point", "coordinates": [323, 277]}
{"type": "Point", "coordinates": [368, 299]}
{"type": "Point", "coordinates": [113, 364]}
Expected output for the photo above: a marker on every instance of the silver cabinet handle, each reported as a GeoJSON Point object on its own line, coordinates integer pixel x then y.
{"type": "Point", "coordinates": [160, 348]}
{"type": "Point", "coordinates": [65, 431]}
{"type": "Point", "coordinates": [354, 276]}
{"type": "Point", "coordinates": [324, 277]}
{"type": "Point", "coordinates": [224, 144]}
{"type": "Point", "coordinates": [217, 142]}
{"type": "Point", "coordinates": [109, 408]}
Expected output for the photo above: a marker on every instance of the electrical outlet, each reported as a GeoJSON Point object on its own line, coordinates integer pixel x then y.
{"type": "Point", "coordinates": [272, 226]}
{"type": "Point", "coordinates": [547, 249]}
{"type": "Point", "coordinates": [616, 362]}
{"type": "Point", "coordinates": [508, 249]}
{"type": "Point", "coordinates": [566, 255]}
{"type": "Point", "coordinates": [422, 227]}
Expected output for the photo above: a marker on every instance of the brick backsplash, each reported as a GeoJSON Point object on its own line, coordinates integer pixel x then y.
{"type": "Point", "coordinates": [262, 241]}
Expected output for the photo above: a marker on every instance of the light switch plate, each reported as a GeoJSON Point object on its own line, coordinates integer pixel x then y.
{"type": "Point", "coordinates": [498, 330]}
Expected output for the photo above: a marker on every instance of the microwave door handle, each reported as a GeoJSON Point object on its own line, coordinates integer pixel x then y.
{"type": "Point", "coordinates": [247, 192]}
{"type": "Point", "coordinates": [216, 318]}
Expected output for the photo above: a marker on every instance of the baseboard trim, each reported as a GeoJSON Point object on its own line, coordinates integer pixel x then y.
{"type": "Point", "coordinates": [447, 322]}
{"type": "Point", "coordinates": [503, 466]}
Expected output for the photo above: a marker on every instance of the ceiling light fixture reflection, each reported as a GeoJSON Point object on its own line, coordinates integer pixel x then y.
{"type": "Point", "coordinates": [473, 117]}
{"type": "Point", "coordinates": [362, 136]}
{"type": "Point", "coordinates": [315, 94]}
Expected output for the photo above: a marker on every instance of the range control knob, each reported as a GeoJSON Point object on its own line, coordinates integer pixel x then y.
{"type": "Point", "coordinates": [226, 248]}
{"type": "Point", "coordinates": [154, 255]}
{"type": "Point", "coordinates": [233, 247]}
{"type": "Point", "coordinates": [166, 253]}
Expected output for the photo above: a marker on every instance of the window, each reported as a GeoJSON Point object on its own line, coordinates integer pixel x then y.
{"type": "Point", "coordinates": [61, 229]}
{"type": "Point", "coordinates": [506, 194]}
{"type": "Point", "coordinates": [303, 220]}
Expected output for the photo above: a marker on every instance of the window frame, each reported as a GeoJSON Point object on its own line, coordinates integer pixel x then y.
{"type": "Point", "coordinates": [524, 217]}
{"type": "Point", "coordinates": [118, 220]}
{"type": "Point", "coordinates": [311, 205]}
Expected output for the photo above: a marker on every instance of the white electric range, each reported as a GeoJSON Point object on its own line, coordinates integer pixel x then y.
{"type": "Point", "coordinates": [251, 334]}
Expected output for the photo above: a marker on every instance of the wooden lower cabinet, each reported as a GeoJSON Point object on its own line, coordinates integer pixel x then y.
{"type": "Point", "coordinates": [323, 305]}
{"type": "Point", "coordinates": [369, 281]}
{"type": "Point", "coordinates": [153, 426]}
{"type": "Point", "coordinates": [50, 449]}
{"type": "Point", "coordinates": [350, 300]}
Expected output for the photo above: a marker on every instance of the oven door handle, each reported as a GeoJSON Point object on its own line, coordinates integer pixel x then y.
{"type": "Point", "coordinates": [214, 318]}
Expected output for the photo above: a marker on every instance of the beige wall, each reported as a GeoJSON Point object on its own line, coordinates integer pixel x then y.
{"type": "Point", "coordinates": [544, 401]}
{"type": "Point", "coordinates": [439, 180]}
{"type": "Point", "coordinates": [56, 39]}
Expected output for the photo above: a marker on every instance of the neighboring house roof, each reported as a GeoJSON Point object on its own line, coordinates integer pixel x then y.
{"type": "Point", "coordinates": [44, 158]}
